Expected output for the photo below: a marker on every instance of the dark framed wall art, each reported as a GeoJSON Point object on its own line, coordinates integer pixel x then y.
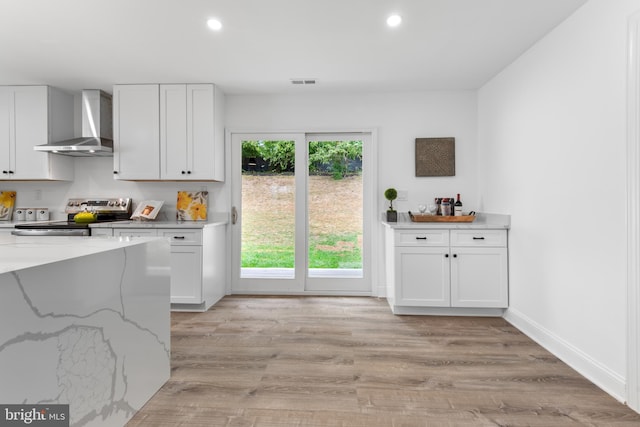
{"type": "Point", "coordinates": [435, 156]}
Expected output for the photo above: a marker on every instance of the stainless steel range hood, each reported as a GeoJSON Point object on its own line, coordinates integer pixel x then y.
{"type": "Point", "coordinates": [97, 129]}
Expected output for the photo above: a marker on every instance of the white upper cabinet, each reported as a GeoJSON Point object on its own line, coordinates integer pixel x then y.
{"type": "Point", "coordinates": [30, 116]}
{"type": "Point", "coordinates": [136, 132]}
{"type": "Point", "coordinates": [189, 144]}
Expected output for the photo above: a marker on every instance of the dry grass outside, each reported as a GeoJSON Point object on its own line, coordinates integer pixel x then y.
{"type": "Point", "coordinates": [268, 211]}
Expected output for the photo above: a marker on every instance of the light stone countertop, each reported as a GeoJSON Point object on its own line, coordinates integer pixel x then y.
{"type": "Point", "coordinates": [487, 221]}
{"type": "Point", "coordinates": [21, 252]}
{"type": "Point", "coordinates": [215, 219]}
{"type": "Point", "coordinates": [159, 224]}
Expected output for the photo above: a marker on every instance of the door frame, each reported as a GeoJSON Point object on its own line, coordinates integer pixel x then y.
{"type": "Point", "coordinates": [633, 214]}
{"type": "Point", "coordinates": [370, 203]}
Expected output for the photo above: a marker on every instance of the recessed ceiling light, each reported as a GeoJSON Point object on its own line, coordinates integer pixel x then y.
{"type": "Point", "coordinates": [214, 24]}
{"type": "Point", "coordinates": [394, 20]}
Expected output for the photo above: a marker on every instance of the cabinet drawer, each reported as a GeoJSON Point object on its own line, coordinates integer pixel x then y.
{"type": "Point", "coordinates": [422, 238]}
{"type": "Point", "coordinates": [494, 238]}
{"type": "Point", "coordinates": [182, 236]}
{"type": "Point", "coordinates": [134, 232]}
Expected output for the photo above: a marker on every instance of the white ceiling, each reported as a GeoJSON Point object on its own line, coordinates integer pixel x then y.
{"type": "Point", "coordinates": [345, 44]}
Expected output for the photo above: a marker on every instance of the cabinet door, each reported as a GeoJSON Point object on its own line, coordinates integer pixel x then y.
{"type": "Point", "coordinates": [136, 132]}
{"type": "Point", "coordinates": [479, 277]}
{"type": "Point", "coordinates": [201, 138]}
{"type": "Point", "coordinates": [30, 116]}
{"type": "Point", "coordinates": [187, 132]}
{"type": "Point", "coordinates": [422, 276]}
{"type": "Point", "coordinates": [173, 132]}
{"type": "Point", "coordinates": [186, 274]}
{"type": "Point", "coordinates": [31, 128]}
{"type": "Point", "coordinates": [7, 153]}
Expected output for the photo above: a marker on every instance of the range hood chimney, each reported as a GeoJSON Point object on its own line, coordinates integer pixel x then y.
{"type": "Point", "coordinates": [97, 129]}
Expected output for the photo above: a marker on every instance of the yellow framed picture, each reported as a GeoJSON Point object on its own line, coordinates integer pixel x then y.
{"type": "Point", "coordinates": [7, 202]}
{"type": "Point", "coordinates": [192, 205]}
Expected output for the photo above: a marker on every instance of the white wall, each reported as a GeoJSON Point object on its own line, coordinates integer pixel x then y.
{"type": "Point", "coordinates": [552, 147]}
{"type": "Point", "coordinates": [399, 118]}
{"type": "Point", "coordinates": [94, 177]}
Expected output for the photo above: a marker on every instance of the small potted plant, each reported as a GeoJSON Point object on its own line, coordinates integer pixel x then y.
{"type": "Point", "coordinates": [391, 194]}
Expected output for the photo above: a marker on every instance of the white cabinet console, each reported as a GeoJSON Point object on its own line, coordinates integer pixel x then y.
{"type": "Point", "coordinates": [448, 269]}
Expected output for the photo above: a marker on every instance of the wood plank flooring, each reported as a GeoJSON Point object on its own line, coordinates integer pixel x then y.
{"type": "Point", "coordinates": [347, 361]}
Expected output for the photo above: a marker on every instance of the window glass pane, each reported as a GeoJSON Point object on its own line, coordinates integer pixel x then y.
{"type": "Point", "coordinates": [268, 209]}
{"type": "Point", "coordinates": [335, 207]}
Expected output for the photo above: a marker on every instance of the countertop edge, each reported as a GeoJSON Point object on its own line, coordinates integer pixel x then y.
{"type": "Point", "coordinates": [487, 221]}
{"type": "Point", "coordinates": [23, 252]}
{"type": "Point", "coordinates": [158, 224]}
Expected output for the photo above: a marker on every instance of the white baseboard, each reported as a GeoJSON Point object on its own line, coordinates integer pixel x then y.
{"type": "Point", "coordinates": [600, 375]}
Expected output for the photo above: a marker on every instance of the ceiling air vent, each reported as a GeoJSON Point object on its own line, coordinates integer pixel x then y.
{"type": "Point", "coordinates": [303, 81]}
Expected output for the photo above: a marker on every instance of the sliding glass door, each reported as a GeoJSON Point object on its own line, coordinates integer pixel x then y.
{"type": "Point", "coordinates": [301, 222]}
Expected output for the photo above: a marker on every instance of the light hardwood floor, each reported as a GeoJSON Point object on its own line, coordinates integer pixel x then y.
{"type": "Point", "coordinates": [342, 361]}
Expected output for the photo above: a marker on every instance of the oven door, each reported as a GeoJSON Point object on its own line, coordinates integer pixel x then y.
{"type": "Point", "coordinates": [51, 232]}
{"type": "Point", "coordinates": [60, 228]}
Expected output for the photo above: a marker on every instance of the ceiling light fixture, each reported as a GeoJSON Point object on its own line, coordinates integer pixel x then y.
{"type": "Point", "coordinates": [214, 24]}
{"type": "Point", "coordinates": [394, 20]}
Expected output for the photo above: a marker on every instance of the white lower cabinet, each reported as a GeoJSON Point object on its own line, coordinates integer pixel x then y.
{"type": "Point", "coordinates": [479, 277]}
{"type": "Point", "coordinates": [447, 271]}
{"type": "Point", "coordinates": [186, 265]}
{"type": "Point", "coordinates": [424, 277]}
{"type": "Point", "coordinates": [186, 274]}
{"type": "Point", "coordinates": [197, 263]}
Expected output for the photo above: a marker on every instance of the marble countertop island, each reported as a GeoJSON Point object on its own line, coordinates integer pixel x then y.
{"type": "Point", "coordinates": [84, 321]}
{"type": "Point", "coordinates": [20, 252]}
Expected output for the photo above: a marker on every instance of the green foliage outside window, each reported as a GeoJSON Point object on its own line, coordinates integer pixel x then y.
{"type": "Point", "coordinates": [336, 157]}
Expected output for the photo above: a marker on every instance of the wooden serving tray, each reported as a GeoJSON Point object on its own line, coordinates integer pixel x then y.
{"type": "Point", "coordinates": [440, 218]}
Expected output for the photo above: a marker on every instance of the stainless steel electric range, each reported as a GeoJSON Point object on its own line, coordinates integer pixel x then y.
{"type": "Point", "coordinates": [107, 210]}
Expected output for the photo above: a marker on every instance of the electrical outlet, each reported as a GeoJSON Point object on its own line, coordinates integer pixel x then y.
{"type": "Point", "coordinates": [403, 195]}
